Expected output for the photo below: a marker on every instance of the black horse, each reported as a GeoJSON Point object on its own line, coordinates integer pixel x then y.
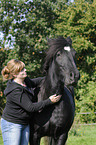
{"type": "Point", "coordinates": [61, 74]}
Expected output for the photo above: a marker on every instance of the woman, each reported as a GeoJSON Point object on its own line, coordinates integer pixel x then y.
{"type": "Point", "coordinates": [20, 103]}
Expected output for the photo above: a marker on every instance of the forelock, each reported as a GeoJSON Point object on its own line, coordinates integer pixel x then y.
{"type": "Point", "coordinates": [54, 46]}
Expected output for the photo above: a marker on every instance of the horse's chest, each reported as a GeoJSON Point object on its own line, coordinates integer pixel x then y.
{"type": "Point", "coordinates": [63, 112]}
{"type": "Point", "coordinates": [58, 113]}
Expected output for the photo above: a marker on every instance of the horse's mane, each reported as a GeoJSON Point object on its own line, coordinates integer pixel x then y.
{"type": "Point", "coordinates": [54, 46]}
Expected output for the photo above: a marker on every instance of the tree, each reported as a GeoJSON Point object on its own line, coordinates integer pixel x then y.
{"type": "Point", "coordinates": [29, 22]}
{"type": "Point", "coordinates": [78, 20]}
{"type": "Point", "coordinates": [89, 1]}
{"type": "Point", "coordinates": [3, 56]}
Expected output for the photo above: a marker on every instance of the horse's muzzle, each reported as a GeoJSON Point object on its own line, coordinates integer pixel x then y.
{"type": "Point", "coordinates": [74, 77]}
{"type": "Point", "coordinates": [77, 77]}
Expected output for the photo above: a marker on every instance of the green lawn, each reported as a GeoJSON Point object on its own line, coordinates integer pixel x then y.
{"type": "Point", "coordinates": [78, 135]}
{"type": "Point", "coordinates": [82, 135]}
{"type": "Point", "coordinates": [1, 141]}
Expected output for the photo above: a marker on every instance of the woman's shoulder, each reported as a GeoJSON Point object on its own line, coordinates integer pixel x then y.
{"type": "Point", "coordinates": [11, 86]}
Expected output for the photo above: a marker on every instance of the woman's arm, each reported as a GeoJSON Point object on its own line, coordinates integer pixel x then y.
{"type": "Point", "coordinates": [23, 100]}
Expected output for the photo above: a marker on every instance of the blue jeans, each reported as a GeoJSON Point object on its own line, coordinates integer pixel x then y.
{"type": "Point", "coordinates": [14, 134]}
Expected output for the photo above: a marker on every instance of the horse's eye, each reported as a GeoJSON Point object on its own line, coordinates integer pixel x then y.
{"type": "Point", "coordinates": [58, 53]}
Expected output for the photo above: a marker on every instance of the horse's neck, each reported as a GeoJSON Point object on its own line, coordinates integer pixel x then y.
{"type": "Point", "coordinates": [51, 85]}
{"type": "Point", "coordinates": [52, 78]}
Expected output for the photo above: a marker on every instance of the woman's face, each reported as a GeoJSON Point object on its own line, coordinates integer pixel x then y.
{"type": "Point", "coordinates": [22, 74]}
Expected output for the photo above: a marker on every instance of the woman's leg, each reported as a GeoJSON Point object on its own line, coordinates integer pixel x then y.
{"type": "Point", "coordinates": [11, 132]}
{"type": "Point", "coordinates": [14, 134]}
{"type": "Point", "coordinates": [25, 135]}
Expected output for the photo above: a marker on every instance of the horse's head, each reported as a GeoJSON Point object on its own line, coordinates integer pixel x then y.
{"type": "Point", "coordinates": [62, 56]}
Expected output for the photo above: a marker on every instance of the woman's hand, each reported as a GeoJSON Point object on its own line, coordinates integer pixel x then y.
{"type": "Point", "coordinates": [55, 98]}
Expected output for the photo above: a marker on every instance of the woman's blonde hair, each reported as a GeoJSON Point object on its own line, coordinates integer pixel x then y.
{"type": "Point", "coordinates": [12, 68]}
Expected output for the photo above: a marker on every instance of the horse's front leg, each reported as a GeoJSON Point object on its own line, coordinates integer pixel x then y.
{"type": "Point", "coordinates": [34, 139]}
{"type": "Point", "coordinates": [62, 139]}
{"type": "Point", "coordinates": [59, 141]}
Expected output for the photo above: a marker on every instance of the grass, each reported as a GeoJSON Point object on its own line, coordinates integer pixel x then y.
{"type": "Point", "coordinates": [82, 135]}
{"type": "Point", "coordinates": [1, 140]}
{"type": "Point", "coordinates": [78, 135]}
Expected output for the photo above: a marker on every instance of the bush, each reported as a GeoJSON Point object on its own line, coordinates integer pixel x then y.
{"type": "Point", "coordinates": [86, 103]}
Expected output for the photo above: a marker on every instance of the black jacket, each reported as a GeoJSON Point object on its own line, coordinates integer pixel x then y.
{"type": "Point", "coordinates": [20, 104]}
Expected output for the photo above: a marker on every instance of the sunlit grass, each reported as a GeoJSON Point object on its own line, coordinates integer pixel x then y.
{"type": "Point", "coordinates": [81, 135]}
{"type": "Point", "coordinates": [78, 135]}
{"type": "Point", "coordinates": [1, 140]}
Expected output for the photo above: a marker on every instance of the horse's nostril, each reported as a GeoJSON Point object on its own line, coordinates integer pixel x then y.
{"type": "Point", "coordinates": [71, 75]}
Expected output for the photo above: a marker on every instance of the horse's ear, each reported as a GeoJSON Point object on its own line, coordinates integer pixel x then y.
{"type": "Point", "coordinates": [69, 40]}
